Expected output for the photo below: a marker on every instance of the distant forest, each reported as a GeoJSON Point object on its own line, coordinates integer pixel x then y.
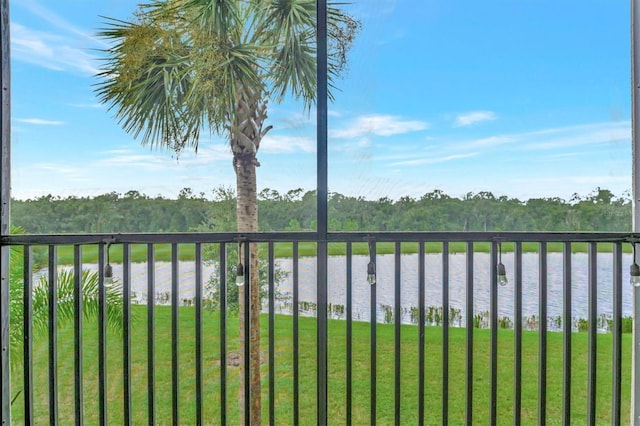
{"type": "Point", "coordinates": [295, 210]}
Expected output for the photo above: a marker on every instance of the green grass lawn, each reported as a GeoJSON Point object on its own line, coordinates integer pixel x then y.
{"type": "Point", "coordinates": [337, 372]}
{"type": "Point", "coordinates": [162, 252]}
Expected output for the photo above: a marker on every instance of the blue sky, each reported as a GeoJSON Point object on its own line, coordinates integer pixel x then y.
{"type": "Point", "coordinates": [521, 98]}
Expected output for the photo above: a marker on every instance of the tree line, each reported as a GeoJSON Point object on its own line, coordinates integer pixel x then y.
{"type": "Point", "coordinates": [295, 210]}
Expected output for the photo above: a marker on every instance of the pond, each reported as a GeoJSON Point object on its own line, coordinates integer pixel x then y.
{"type": "Point", "coordinates": [433, 284]}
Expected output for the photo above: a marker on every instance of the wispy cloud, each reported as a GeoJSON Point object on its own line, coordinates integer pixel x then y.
{"type": "Point", "coordinates": [576, 179]}
{"type": "Point", "coordinates": [565, 155]}
{"type": "Point", "coordinates": [487, 142]}
{"type": "Point", "coordinates": [57, 168]}
{"type": "Point", "coordinates": [575, 136]}
{"type": "Point", "coordinates": [76, 175]}
{"type": "Point", "coordinates": [139, 161]}
{"type": "Point", "coordinates": [51, 51]}
{"type": "Point", "coordinates": [40, 121]}
{"type": "Point", "coordinates": [48, 15]}
{"type": "Point", "coordinates": [434, 160]}
{"type": "Point", "coordinates": [555, 143]}
{"type": "Point", "coordinates": [379, 125]}
{"type": "Point", "coordinates": [278, 144]}
{"type": "Point", "coordinates": [552, 138]}
{"type": "Point", "coordinates": [94, 105]}
{"type": "Point", "coordinates": [469, 118]}
{"type": "Point", "coordinates": [159, 160]}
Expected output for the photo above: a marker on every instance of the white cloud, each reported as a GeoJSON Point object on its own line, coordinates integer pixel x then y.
{"type": "Point", "coordinates": [469, 118]}
{"type": "Point", "coordinates": [91, 106]}
{"type": "Point", "coordinates": [364, 143]}
{"type": "Point", "coordinates": [51, 51]}
{"type": "Point", "coordinates": [57, 168]}
{"type": "Point", "coordinates": [434, 160]}
{"type": "Point", "coordinates": [568, 180]}
{"type": "Point", "coordinates": [488, 142]}
{"type": "Point", "coordinates": [161, 159]}
{"type": "Point", "coordinates": [140, 161]}
{"type": "Point", "coordinates": [565, 155]}
{"type": "Point", "coordinates": [53, 172]}
{"type": "Point", "coordinates": [40, 121]}
{"type": "Point", "coordinates": [552, 138]}
{"type": "Point", "coordinates": [576, 136]}
{"type": "Point", "coordinates": [278, 144]}
{"type": "Point", "coordinates": [57, 21]}
{"type": "Point", "coordinates": [379, 125]}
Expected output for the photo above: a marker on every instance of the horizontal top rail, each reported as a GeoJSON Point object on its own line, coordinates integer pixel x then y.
{"type": "Point", "coordinates": [229, 237]}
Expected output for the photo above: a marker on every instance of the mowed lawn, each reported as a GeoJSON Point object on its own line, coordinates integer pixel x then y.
{"type": "Point", "coordinates": [337, 373]}
{"type": "Point", "coordinates": [162, 252]}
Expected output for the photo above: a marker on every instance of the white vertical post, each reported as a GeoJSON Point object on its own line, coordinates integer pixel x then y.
{"type": "Point", "coordinates": [635, 143]}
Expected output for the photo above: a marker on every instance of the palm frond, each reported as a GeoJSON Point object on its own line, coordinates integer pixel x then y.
{"type": "Point", "coordinates": [342, 30]}
{"type": "Point", "coordinates": [289, 30]}
{"type": "Point", "coordinates": [65, 284]}
{"type": "Point", "coordinates": [166, 76]}
{"type": "Point", "coordinates": [146, 81]}
{"type": "Point", "coordinates": [180, 65]}
{"type": "Point", "coordinates": [287, 33]}
{"type": "Point", "coordinates": [219, 17]}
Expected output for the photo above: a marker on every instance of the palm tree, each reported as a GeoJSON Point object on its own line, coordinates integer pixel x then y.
{"type": "Point", "coordinates": [180, 66]}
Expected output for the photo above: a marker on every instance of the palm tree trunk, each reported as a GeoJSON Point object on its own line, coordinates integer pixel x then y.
{"type": "Point", "coordinates": [247, 215]}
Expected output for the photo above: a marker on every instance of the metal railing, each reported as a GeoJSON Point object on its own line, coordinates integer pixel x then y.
{"type": "Point", "coordinates": [382, 339]}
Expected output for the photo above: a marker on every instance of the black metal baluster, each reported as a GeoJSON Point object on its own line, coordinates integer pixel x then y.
{"type": "Point", "coordinates": [151, 323]}
{"type": "Point", "coordinates": [517, 343]}
{"type": "Point", "coordinates": [247, 333]}
{"type": "Point", "coordinates": [175, 343]}
{"type": "Point", "coordinates": [296, 337]}
{"type": "Point", "coordinates": [469, 337]}
{"type": "Point", "coordinates": [616, 392]}
{"type": "Point", "coordinates": [126, 332]}
{"type": "Point", "coordinates": [593, 334]}
{"type": "Point", "coordinates": [349, 342]}
{"type": "Point", "coordinates": [397, 337]}
{"type": "Point", "coordinates": [542, 335]}
{"type": "Point", "coordinates": [102, 337]}
{"type": "Point", "coordinates": [322, 335]}
{"type": "Point", "coordinates": [373, 343]}
{"type": "Point", "coordinates": [493, 319]}
{"type": "Point", "coordinates": [53, 336]}
{"type": "Point", "coordinates": [421, 279]}
{"type": "Point", "coordinates": [27, 327]}
{"type": "Point", "coordinates": [566, 338]}
{"type": "Point", "coordinates": [272, 329]}
{"type": "Point", "coordinates": [198, 330]}
{"type": "Point", "coordinates": [445, 331]}
{"type": "Point", "coordinates": [77, 334]}
{"type": "Point", "coordinates": [223, 332]}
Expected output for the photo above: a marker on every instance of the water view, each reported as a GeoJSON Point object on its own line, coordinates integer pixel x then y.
{"type": "Point", "coordinates": [409, 285]}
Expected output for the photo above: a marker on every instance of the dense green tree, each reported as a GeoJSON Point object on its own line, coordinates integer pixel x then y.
{"type": "Point", "coordinates": [295, 211]}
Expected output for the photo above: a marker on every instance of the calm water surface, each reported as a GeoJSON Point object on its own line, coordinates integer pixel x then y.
{"type": "Point", "coordinates": [457, 283]}
{"type": "Point", "coordinates": [361, 290]}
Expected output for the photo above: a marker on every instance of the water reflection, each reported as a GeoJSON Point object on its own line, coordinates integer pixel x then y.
{"type": "Point", "coordinates": [409, 300]}
{"type": "Point", "coordinates": [457, 284]}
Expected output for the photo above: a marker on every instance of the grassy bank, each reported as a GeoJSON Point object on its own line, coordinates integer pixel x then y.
{"type": "Point", "coordinates": [337, 371]}
{"type": "Point", "coordinates": [187, 251]}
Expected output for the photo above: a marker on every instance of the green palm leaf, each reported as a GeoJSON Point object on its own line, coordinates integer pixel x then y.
{"type": "Point", "coordinates": [65, 285]}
